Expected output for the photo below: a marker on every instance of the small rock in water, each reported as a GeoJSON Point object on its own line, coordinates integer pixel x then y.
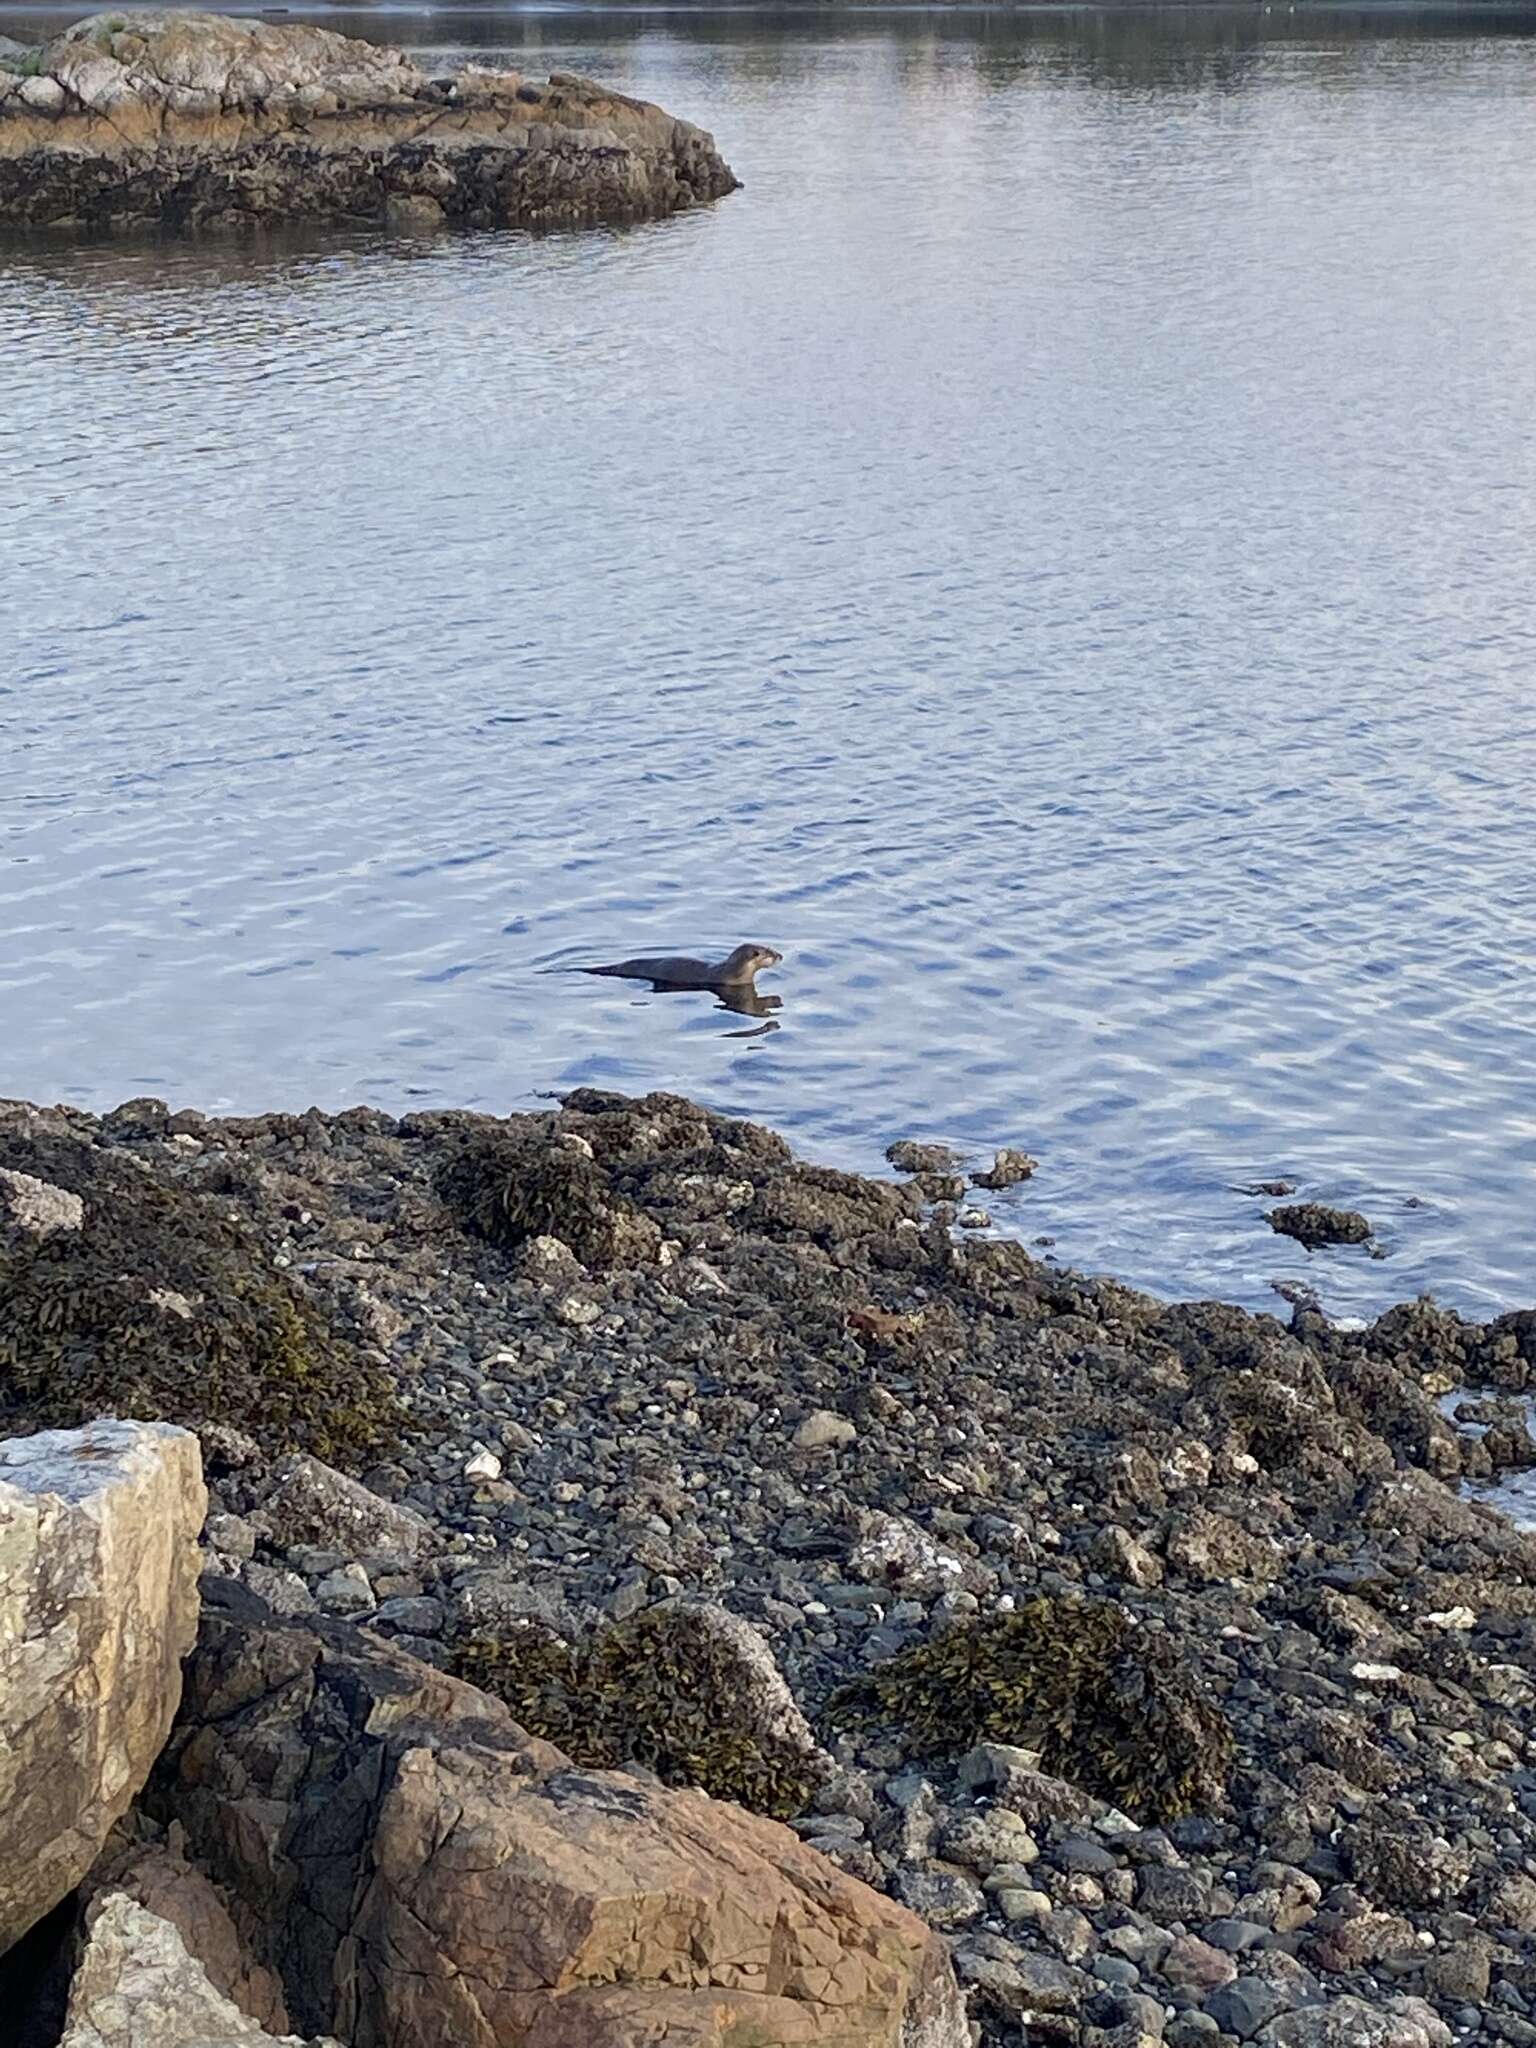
{"type": "Point", "coordinates": [915, 1155]}
{"type": "Point", "coordinates": [1314, 1225]}
{"type": "Point", "coordinates": [1008, 1168]}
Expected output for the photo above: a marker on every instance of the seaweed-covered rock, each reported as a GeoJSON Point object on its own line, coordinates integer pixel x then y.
{"type": "Point", "coordinates": [159, 1304]}
{"type": "Point", "coordinates": [684, 1688]}
{"type": "Point", "coordinates": [508, 1190]}
{"type": "Point", "coordinates": [1108, 1706]}
{"type": "Point", "coordinates": [1314, 1225]}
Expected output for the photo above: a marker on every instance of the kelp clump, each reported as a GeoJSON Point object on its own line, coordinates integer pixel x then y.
{"type": "Point", "coordinates": [159, 1305]}
{"type": "Point", "coordinates": [657, 1691]}
{"type": "Point", "coordinates": [508, 1188]}
{"type": "Point", "coordinates": [1109, 1706]}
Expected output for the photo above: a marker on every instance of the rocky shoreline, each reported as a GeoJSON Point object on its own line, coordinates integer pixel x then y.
{"type": "Point", "coordinates": [181, 120]}
{"type": "Point", "coordinates": [1151, 1655]}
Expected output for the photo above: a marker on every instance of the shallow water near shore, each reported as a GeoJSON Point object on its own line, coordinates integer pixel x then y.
{"type": "Point", "coordinates": [1052, 555]}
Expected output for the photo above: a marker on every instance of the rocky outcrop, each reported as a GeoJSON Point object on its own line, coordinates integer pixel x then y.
{"type": "Point", "coordinates": [137, 1985]}
{"type": "Point", "coordinates": [185, 120]}
{"type": "Point", "coordinates": [429, 1873]}
{"type": "Point", "coordinates": [98, 1605]}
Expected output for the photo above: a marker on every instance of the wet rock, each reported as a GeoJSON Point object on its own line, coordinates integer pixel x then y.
{"type": "Point", "coordinates": [1314, 1225]}
{"type": "Point", "coordinates": [1245, 2006]}
{"type": "Point", "coordinates": [154, 1874]}
{"type": "Point", "coordinates": [98, 1595]}
{"type": "Point", "coordinates": [1117, 1553]}
{"type": "Point", "coordinates": [822, 1430]}
{"type": "Point", "coordinates": [1210, 1546]}
{"type": "Point", "coordinates": [944, 1898]}
{"type": "Point", "coordinates": [1461, 1973]}
{"type": "Point", "coordinates": [1015, 1780]}
{"type": "Point", "coordinates": [989, 1840]}
{"type": "Point", "coordinates": [1048, 1986]}
{"type": "Point", "coordinates": [892, 1551]}
{"type": "Point", "coordinates": [1398, 1859]}
{"type": "Point", "coordinates": [232, 1535]}
{"type": "Point", "coordinates": [1195, 1963]}
{"type": "Point", "coordinates": [36, 1206]}
{"type": "Point", "coordinates": [914, 1155]}
{"type": "Point", "coordinates": [1513, 1904]}
{"type": "Point", "coordinates": [346, 1591]}
{"type": "Point", "coordinates": [418, 1615]}
{"type": "Point", "coordinates": [1351, 2023]}
{"type": "Point", "coordinates": [1008, 1168]}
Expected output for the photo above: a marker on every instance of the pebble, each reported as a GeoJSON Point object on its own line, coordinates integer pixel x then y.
{"type": "Point", "coordinates": [823, 1430]}
{"type": "Point", "coordinates": [346, 1591]}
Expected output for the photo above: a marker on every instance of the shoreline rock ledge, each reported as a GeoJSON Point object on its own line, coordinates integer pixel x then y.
{"type": "Point", "coordinates": [182, 120]}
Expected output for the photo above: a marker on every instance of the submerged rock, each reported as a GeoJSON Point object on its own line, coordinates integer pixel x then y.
{"type": "Point", "coordinates": [190, 120]}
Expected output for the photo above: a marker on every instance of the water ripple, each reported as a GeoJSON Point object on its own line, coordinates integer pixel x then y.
{"type": "Point", "coordinates": [1053, 555]}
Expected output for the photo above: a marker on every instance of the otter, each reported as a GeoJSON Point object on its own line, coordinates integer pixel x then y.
{"type": "Point", "coordinates": [677, 970]}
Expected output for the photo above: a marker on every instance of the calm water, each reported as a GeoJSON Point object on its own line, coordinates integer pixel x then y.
{"type": "Point", "coordinates": [1054, 555]}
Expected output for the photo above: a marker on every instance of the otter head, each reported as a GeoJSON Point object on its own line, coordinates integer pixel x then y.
{"type": "Point", "coordinates": [747, 961]}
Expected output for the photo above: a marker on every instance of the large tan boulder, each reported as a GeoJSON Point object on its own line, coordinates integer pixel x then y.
{"type": "Point", "coordinates": [98, 1606]}
{"type": "Point", "coordinates": [433, 1875]}
{"type": "Point", "coordinates": [138, 1987]}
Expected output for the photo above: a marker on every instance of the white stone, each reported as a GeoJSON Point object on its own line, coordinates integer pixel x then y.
{"type": "Point", "coordinates": [821, 1429]}
{"type": "Point", "coordinates": [482, 1465]}
{"type": "Point", "coordinates": [575, 1312]}
{"type": "Point", "coordinates": [37, 1206]}
{"type": "Point", "coordinates": [137, 1987]}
